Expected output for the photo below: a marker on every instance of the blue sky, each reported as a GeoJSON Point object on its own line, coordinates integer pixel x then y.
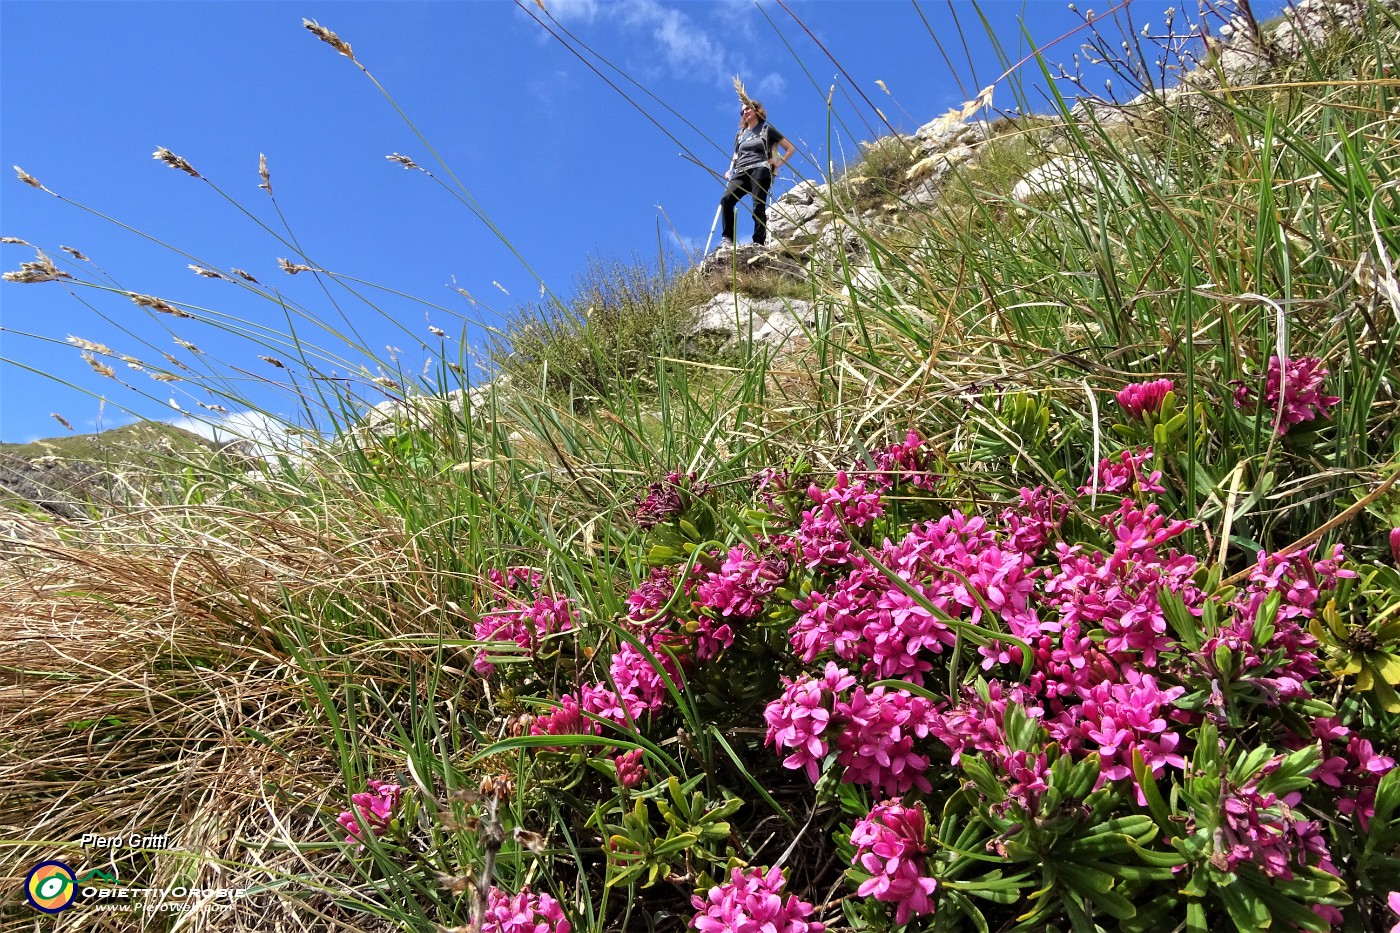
{"type": "Point", "coordinates": [563, 164]}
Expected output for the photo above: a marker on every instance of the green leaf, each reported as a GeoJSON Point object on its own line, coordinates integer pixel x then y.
{"type": "Point", "coordinates": [1196, 917]}
{"type": "Point", "coordinates": [1245, 909]}
{"type": "Point", "coordinates": [1148, 785]}
{"type": "Point", "coordinates": [1094, 847]}
{"type": "Point", "coordinates": [673, 844]}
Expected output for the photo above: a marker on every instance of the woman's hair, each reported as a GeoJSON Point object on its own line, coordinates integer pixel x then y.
{"type": "Point", "coordinates": [758, 108]}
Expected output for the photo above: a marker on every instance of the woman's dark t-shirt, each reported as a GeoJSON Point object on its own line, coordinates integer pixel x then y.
{"type": "Point", "coordinates": [752, 147]}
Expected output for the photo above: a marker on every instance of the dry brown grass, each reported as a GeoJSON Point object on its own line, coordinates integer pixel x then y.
{"type": "Point", "coordinates": [151, 681]}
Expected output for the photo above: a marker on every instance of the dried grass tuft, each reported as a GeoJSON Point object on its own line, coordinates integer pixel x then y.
{"type": "Point", "coordinates": [149, 680]}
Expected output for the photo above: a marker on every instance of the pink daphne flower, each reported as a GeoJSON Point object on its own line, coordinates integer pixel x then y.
{"type": "Point", "coordinates": [1393, 902]}
{"type": "Point", "coordinates": [523, 625]}
{"type": "Point", "coordinates": [565, 719]}
{"type": "Point", "coordinates": [908, 462]}
{"type": "Point", "coordinates": [1291, 391]}
{"type": "Point", "coordinates": [876, 741]}
{"type": "Point", "coordinates": [523, 913]}
{"type": "Point", "coordinates": [741, 583]}
{"type": "Point", "coordinates": [890, 845]}
{"type": "Point", "coordinates": [375, 809]}
{"type": "Point", "coordinates": [752, 902]}
{"type": "Point", "coordinates": [800, 719]}
{"type": "Point", "coordinates": [630, 772]}
{"type": "Point", "coordinates": [1126, 474]}
{"type": "Point", "coordinates": [1140, 399]}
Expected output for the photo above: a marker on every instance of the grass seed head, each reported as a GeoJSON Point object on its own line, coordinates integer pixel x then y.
{"type": "Point", "coordinates": [27, 178]}
{"type": "Point", "coordinates": [41, 269]}
{"type": "Point", "coordinates": [99, 367]}
{"type": "Point", "coordinates": [292, 268]}
{"type": "Point", "coordinates": [76, 254]}
{"type": "Point", "coordinates": [15, 240]}
{"type": "Point", "coordinates": [245, 275]}
{"type": "Point", "coordinates": [174, 161]}
{"type": "Point", "coordinates": [60, 419]}
{"type": "Point", "coordinates": [207, 273]}
{"type": "Point", "coordinates": [403, 160]}
{"type": "Point", "coordinates": [156, 304]}
{"type": "Point", "coordinates": [91, 346]}
{"type": "Point", "coordinates": [263, 173]}
{"type": "Point", "coordinates": [330, 38]}
{"type": "Point", "coordinates": [273, 361]}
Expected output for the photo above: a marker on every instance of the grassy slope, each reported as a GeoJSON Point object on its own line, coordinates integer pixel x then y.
{"type": "Point", "coordinates": [264, 655]}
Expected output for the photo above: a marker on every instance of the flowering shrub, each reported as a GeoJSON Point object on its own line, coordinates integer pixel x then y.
{"type": "Point", "coordinates": [890, 845]}
{"type": "Point", "coordinates": [524, 912]}
{"type": "Point", "coordinates": [1061, 677]}
{"type": "Point", "coordinates": [1140, 399]}
{"type": "Point", "coordinates": [752, 902]}
{"type": "Point", "coordinates": [1291, 392]}
{"type": "Point", "coordinates": [374, 808]}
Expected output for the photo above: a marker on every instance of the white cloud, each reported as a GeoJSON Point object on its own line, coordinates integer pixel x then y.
{"type": "Point", "coordinates": [268, 434]}
{"type": "Point", "coordinates": [709, 46]}
{"type": "Point", "coordinates": [686, 44]}
{"type": "Point", "coordinates": [770, 85]}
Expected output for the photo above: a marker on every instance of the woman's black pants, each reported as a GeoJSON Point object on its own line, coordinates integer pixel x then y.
{"type": "Point", "coordinates": [754, 182]}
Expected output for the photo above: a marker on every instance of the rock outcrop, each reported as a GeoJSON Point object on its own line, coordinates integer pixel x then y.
{"type": "Point", "coordinates": [731, 320]}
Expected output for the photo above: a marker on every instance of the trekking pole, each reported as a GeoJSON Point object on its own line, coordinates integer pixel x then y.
{"type": "Point", "coordinates": [714, 223]}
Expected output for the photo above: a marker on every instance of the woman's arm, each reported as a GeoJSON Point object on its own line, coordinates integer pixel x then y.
{"type": "Point", "coordinates": [786, 149]}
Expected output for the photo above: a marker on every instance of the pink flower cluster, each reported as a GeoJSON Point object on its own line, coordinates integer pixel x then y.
{"type": "Point", "coordinates": [891, 846]}
{"type": "Point", "coordinates": [954, 565]}
{"type": "Point", "coordinates": [1291, 391]}
{"type": "Point", "coordinates": [752, 902]}
{"type": "Point", "coordinates": [630, 772]}
{"type": "Point", "coordinates": [741, 583]}
{"type": "Point", "coordinates": [910, 462]}
{"type": "Point", "coordinates": [1355, 770]}
{"type": "Point", "coordinates": [1117, 719]}
{"type": "Point", "coordinates": [696, 630]}
{"type": "Point", "coordinates": [1259, 828]}
{"type": "Point", "coordinates": [1126, 474]}
{"type": "Point", "coordinates": [668, 499]}
{"type": "Point", "coordinates": [1140, 399]}
{"type": "Point", "coordinates": [874, 731]}
{"type": "Point", "coordinates": [523, 625]}
{"type": "Point", "coordinates": [374, 808]}
{"type": "Point", "coordinates": [823, 539]}
{"type": "Point", "coordinates": [800, 719]}
{"type": "Point", "coordinates": [525, 912]}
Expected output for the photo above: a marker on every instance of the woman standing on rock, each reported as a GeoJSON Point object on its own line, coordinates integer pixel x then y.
{"type": "Point", "coordinates": [759, 151]}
